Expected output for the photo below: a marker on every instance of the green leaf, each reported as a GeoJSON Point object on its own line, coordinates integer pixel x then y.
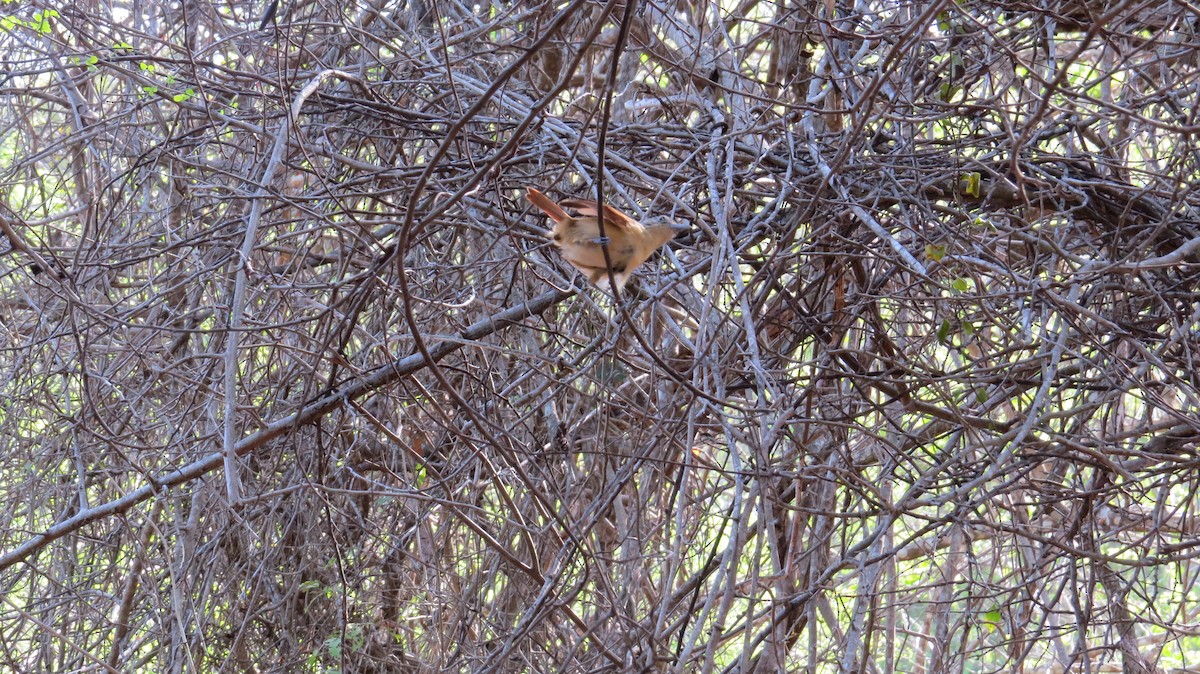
{"type": "Point", "coordinates": [935, 253]}
{"type": "Point", "coordinates": [334, 646]}
{"type": "Point", "coordinates": [948, 91]}
{"type": "Point", "coordinates": [969, 183]}
{"type": "Point", "coordinates": [41, 21]}
{"type": "Point", "coordinates": [993, 620]}
{"type": "Point", "coordinates": [179, 98]}
{"type": "Point", "coordinates": [356, 636]}
{"type": "Point", "coordinates": [962, 285]}
{"type": "Point", "coordinates": [943, 332]}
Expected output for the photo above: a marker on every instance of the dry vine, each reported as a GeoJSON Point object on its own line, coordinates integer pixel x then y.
{"type": "Point", "coordinates": [293, 381]}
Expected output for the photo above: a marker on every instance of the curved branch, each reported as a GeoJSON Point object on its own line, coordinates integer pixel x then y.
{"type": "Point", "coordinates": [310, 413]}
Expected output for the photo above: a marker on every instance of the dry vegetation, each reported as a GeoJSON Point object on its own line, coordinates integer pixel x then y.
{"type": "Point", "coordinates": [293, 382]}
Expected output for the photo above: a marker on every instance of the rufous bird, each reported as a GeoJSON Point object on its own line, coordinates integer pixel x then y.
{"type": "Point", "coordinates": [630, 243]}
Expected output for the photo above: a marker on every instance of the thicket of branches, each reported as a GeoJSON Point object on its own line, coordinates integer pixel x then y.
{"type": "Point", "coordinates": [292, 380]}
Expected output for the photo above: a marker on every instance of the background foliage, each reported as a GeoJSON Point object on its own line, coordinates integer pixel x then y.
{"type": "Point", "coordinates": [293, 382]}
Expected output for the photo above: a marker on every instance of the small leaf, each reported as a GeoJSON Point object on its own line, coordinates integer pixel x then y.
{"type": "Point", "coordinates": [334, 646]}
{"type": "Point", "coordinates": [179, 98]}
{"type": "Point", "coordinates": [969, 183]}
{"type": "Point", "coordinates": [943, 332]}
{"type": "Point", "coordinates": [935, 253]}
{"type": "Point", "coordinates": [41, 21]}
{"type": "Point", "coordinates": [962, 285]}
{"type": "Point", "coordinates": [948, 91]}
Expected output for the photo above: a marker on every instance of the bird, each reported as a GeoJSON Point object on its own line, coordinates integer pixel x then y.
{"type": "Point", "coordinates": [630, 243]}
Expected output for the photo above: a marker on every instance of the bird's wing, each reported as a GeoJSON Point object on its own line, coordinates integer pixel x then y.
{"type": "Point", "coordinates": [546, 204]}
{"type": "Point", "coordinates": [611, 215]}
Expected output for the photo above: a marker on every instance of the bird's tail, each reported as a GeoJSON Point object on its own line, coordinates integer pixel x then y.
{"type": "Point", "coordinates": [546, 204]}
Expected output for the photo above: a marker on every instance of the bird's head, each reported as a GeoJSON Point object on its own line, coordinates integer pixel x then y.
{"type": "Point", "coordinates": [663, 229]}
